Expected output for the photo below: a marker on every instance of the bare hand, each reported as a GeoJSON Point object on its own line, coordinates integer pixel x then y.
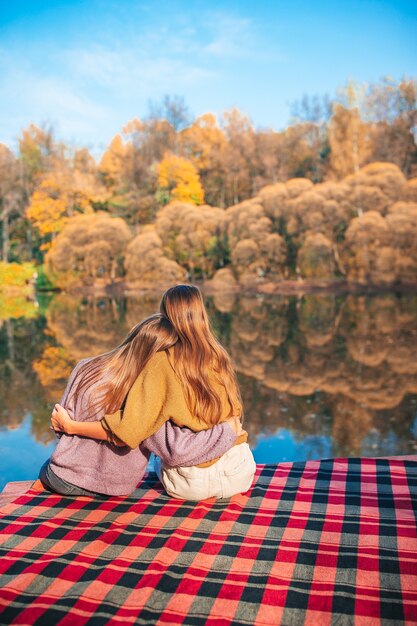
{"type": "Point", "coordinates": [60, 420]}
{"type": "Point", "coordinates": [236, 424]}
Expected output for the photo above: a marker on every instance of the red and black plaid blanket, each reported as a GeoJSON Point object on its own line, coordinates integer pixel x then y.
{"type": "Point", "coordinates": [322, 542]}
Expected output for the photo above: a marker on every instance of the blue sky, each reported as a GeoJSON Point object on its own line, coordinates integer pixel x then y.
{"type": "Point", "coordinates": [89, 66]}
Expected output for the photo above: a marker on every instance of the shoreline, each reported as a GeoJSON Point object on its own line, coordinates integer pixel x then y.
{"type": "Point", "coordinates": [264, 288]}
{"type": "Point", "coordinates": [211, 288]}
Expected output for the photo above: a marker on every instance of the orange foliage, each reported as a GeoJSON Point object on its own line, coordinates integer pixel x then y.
{"type": "Point", "coordinates": [60, 194]}
{"type": "Point", "coordinates": [179, 179]}
{"type": "Point", "coordinates": [112, 163]}
{"type": "Point", "coordinates": [52, 368]}
{"type": "Point", "coordinates": [48, 209]}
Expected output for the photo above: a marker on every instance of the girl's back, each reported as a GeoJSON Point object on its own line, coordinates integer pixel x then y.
{"type": "Point", "coordinates": [97, 466]}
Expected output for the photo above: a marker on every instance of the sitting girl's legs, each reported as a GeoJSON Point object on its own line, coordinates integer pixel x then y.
{"type": "Point", "coordinates": [54, 483]}
{"type": "Point", "coordinates": [232, 474]}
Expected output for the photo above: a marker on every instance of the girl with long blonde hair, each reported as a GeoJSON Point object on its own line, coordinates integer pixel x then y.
{"type": "Point", "coordinates": [192, 383]}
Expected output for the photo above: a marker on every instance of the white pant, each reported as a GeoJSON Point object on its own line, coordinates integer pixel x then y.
{"type": "Point", "coordinates": [231, 474]}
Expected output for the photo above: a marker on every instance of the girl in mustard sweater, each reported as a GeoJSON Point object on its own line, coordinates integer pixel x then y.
{"type": "Point", "coordinates": [192, 384]}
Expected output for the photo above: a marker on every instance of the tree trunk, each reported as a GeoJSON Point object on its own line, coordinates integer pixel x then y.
{"type": "Point", "coordinates": [5, 244]}
{"type": "Point", "coordinates": [11, 355]}
{"type": "Point", "coordinates": [235, 190]}
{"type": "Point", "coordinates": [113, 270]}
{"type": "Point", "coordinates": [5, 239]}
{"type": "Point", "coordinates": [338, 260]}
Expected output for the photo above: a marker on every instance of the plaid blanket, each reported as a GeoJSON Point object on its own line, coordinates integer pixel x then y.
{"type": "Point", "coordinates": [322, 542]}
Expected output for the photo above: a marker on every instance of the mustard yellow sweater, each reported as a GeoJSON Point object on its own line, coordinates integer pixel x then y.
{"type": "Point", "coordinates": [156, 397]}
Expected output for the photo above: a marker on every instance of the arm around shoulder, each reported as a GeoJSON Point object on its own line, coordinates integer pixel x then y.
{"type": "Point", "coordinates": [178, 446]}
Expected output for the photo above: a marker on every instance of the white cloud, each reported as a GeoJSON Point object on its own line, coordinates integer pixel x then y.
{"type": "Point", "coordinates": [231, 37]}
{"type": "Point", "coordinates": [134, 69]}
{"type": "Point", "coordinates": [86, 90]}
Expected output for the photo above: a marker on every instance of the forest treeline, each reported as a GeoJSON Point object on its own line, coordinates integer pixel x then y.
{"type": "Point", "coordinates": [334, 195]}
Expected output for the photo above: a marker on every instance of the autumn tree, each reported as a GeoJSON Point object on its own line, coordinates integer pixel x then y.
{"type": "Point", "coordinates": [145, 261]}
{"type": "Point", "coordinates": [128, 180]}
{"type": "Point", "coordinates": [90, 247]}
{"type": "Point", "coordinates": [194, 237]}
{"type": "Point", "coordinates": [113, 162]}
{"type": "Point", "coordinates": [391, 106]}
{"type": "Point", "coordinates": [238, 155]}
{"type": "Point", "coordinates": [171, 108]}
{"type": "Point", "coordinates": [178, 179]}
{"type": "Point", "coordinates": [310, 116]}
{"type": "Point", "coordinates": [368, 255]}
{"type": "Point", "coordinates": [256, 251]}
{"type": "Point", "coordinates": [375, 187]}
{"type": "Point", "coordinates": [204, 144]}
{"type": "Point", "coordinates": [402, 224]}
{"type": "Point", "coordinates": [19, 176]}
{"type": "Point", "coordinates": [11, 200]}
{"type": "Point", "coordinates": [316, 257]}
{"type": "Point", "coordinates": [65, 191]}
{"type": "Point", "coordinates": [37, 149]}
{"type": "Point", "coordinates": [133, 189]}
{"type": "Point", "coordinates": [349, 141]}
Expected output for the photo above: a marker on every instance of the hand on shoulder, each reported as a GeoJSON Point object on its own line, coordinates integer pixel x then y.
{"type": "Point", "coordinates": [235, 424]}
{"type": "Point", "coordinates": [60, 420]}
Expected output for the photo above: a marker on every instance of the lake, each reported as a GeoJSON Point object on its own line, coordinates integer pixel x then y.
{"type": "Point", "coordinates": [322, 375]}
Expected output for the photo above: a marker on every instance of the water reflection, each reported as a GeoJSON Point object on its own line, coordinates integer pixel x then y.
{"type": "Point", "coordinates": [321, 375]}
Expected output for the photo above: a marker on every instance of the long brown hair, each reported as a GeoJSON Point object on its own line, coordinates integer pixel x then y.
{"type": "Point", "coordinates": [198, 353]}
{"type": "Point", "coordinates": [112, 374]}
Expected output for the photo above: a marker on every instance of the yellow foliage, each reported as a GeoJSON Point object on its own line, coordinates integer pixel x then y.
{"type": "Point", "coordinates": [15, 275]}
{"type": "Point", "coordinates": [59, 195]}
{"type": "Point", "coordinates": [112, 162]}
{"type": "Point", "coordinates": [12, 307]}
{"type": "Point", "coordinates": [349, 141]}
{"type": "Point", "coordinates": [15, 289]}
{"type": "Point", "coordinates": [54, 365]}
{"type": "Point", "coordinates": [47, 209]}
{"type": "Point", "coordinates": [179, 178]}
{"type": "Point", "coordinates": [204, 142]}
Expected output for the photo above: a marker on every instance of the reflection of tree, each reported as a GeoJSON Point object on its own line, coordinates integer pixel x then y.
{"type": "Point", "coordinates": [321, 365]}
{"type": "Point", "coordinates": [85, 327]}
{"type": "Point", "coordinates": [139, 307]}
{"type": "Point", "coordinates": [360, 353]}
{"type": "Point", "coordinates": [317, 319]}
{"type": "Point", "coordinates": [266, 411]}
{"type": "Point", "coordinates": [52, 368]}
{"type": "Point", "coordinates": [351, 423]}
{"type": "Point", "coordinates": [41, 416]}
{"type": "Point", "coordinates": [21, 342]}
{"type": "Point", "coordinates": [16, 305]}
{"type": "Point", "coordinates": [257, 328]}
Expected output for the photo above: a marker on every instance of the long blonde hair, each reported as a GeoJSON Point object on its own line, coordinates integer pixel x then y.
{"type": "Point", "coordinates": [113, 373]}
{"type": "Point", "coordinates": [198, 353]}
